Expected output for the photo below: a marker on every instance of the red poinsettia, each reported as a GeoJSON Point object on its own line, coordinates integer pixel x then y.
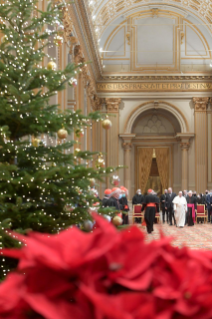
{"type": "Point", "coordinates": [106, 274]}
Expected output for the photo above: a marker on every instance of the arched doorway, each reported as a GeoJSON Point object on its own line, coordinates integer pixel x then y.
{"type": "Point", "coordinates": [158, 126]}
{"type": "Point", "coordinates": [155, 131]}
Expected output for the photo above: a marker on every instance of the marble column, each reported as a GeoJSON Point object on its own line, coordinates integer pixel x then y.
{"type": "Point", "coordinates": [127, 146]}
{"type": "Point", "coordinates": [112, 138]}
{"type": "Point", "coordinates": [184, 147]}
{"type": "Point", "coordinates": [201, 141]}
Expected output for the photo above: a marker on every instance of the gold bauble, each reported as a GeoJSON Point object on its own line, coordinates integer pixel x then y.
{"type": "Point", "coordinates": [36, 142]}
{"type": "Point", "coordinates": [117, 221]}
{"type": "Point", "coordinates": [106, 124]}
{"type": "Point", "coordinates": [4, 39]}
{"type": "Point", "coordinates": [52, 66]}
{"type": "Point", "coordinates": [76, 151]}
{"type": "Point", "coordinates": [62, 133]}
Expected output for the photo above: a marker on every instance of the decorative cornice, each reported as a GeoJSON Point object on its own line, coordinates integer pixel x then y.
{"type": "Point", "coordinates": [114, 87]}
{"type": "Point", "coordinates": [80, 21]}
{"type": "Point", "coordinates": [112, 104]}
{"type": "Point", "coordinates": [155, 78]}
{"type": "Point", "coordinates": [201, 103]}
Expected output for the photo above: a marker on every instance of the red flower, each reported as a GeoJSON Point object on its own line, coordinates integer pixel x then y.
{"type": "Point", "coordinates": [106, 274]}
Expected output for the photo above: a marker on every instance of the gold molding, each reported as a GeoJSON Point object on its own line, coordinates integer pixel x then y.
{"type": "Point", "coordinates": [201, 37]}
{"type": "Point", "coordinates": [154, 87]}
{"type": "Point", "coordinates": [110, 39]}
{"type": "Point", "coordinates": [156, 77]}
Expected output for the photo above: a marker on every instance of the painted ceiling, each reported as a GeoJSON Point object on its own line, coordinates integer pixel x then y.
{"type": "Point", "coordinates": [105, 11]}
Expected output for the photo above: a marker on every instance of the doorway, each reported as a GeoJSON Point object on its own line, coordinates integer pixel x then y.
{"type": "Point", "coordinates": [154, 181]}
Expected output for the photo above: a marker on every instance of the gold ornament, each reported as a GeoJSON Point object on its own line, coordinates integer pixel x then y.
{"type": "Point", "coordinates": [100, 161]}
{"type": "Point", "coordinates": [58, 40]}
{"type": "Point", "coordinates": [52, 66]}
{"type": "Point", "coordinates": [76, 151]}
{"type": "Point", "coordinates": [117, 221]}
{"type": "Point", "coordinates": [62, 133]}
{"type": "Point", "coordinates": [106, 124]}
{"type": "Point", "coordinates": [36, 142]}
{"type": "Point", "coordinates": [4, 39]}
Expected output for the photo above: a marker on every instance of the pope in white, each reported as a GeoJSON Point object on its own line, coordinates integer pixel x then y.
{"type": "Point", "coordinates": [180, 209]}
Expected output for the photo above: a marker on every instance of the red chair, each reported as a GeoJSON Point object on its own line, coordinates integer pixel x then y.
{"type": "Point", "coordinates": [157, 216]}
{"type": "Point", "coordinates": [137, 213]}
{"type": "Point", "coordinates": [201, 212]}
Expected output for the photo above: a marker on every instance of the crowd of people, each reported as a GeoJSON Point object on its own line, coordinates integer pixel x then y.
{"type": "Point", "coordinates": [178, 210]}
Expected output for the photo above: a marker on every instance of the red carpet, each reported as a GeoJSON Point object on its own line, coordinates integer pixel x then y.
{"type": "Point", "coordinates": [198, 236]}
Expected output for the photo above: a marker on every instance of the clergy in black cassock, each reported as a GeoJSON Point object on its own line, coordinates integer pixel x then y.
{"type": "Point", "coordinates": [191, 204]}
{"type": "Point", "coordinates": [124, 204]}
{"type": "Point", "coordinates": [114, 199]}
{"type": "Point", "coordinates": [151, 206]}
{"type": "Point", "coordinates": [138, 198]}
{"type": "Point", "coordinates": [105, 200]}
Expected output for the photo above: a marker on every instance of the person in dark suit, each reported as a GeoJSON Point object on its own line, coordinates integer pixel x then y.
{"type": "Point", "coordinates": [209, 206]}
{"type": "Point", "coordinates": [162, 203]}
{"type": "Point", "coordinates": [169, 205]}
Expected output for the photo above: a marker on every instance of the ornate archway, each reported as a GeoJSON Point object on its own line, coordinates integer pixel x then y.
{"type": "Point", "coordinates": [131, 139]}
{"type": "Point", "coordinates": [156, 105]}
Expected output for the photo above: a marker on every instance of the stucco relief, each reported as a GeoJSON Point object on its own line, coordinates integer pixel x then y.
{"type": "Point", "coordinates": [153, 124]}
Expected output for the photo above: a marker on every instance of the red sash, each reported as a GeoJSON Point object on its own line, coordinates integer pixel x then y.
{"type": "Point", "coordinates": [193, 211]}
{"type": "Point", "coordinates": [151, 205]}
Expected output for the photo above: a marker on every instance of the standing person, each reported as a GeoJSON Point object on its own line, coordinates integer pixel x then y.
{"type": "Point", "coordinates": [169, 205]}
{"type": "Point", "coordinates": [105, 200]}
{"type": "Point", "coordinates": [124, 204]}
{"type": "Point", "coordinates": [191, 204]}
{"type": "Point", "coordinates": [151, 206]}
{"type": "Point", "coordinates": [209, 205]}
{"type": "Point", "coordinates": [163, 202]}
{"type": "Point", "coordinates": [138, 198]}
{"type": "Point", "coordinates": [114, 199]}
{"type": "Point", "coordinates": [205, 198]}
{"type": "Point", "coordinates": [180, 208]}
{"type": "Point", "coordinates": [185, 193]}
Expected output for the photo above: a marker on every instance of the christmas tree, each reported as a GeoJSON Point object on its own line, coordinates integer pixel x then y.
{"type": "Point", "coordinates": [43, 186]}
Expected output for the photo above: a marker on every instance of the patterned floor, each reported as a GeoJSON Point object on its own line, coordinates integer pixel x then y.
{"type": "Point", "coordinates": [198, 236]}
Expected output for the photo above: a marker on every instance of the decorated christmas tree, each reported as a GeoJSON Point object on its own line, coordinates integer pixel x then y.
{"type": "Point", "coordinates": [44, 186]}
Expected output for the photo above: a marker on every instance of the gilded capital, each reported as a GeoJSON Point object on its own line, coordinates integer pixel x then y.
{"type": "Point", "coordinates": [127, 145]}
{"type": "Point", "coordinates": [201, 103]}
{"type": "Point", "coordinates": [96, 103]}
{"type": "Point", "coordinates": [184, 146]}
{"type": "Point", "coordinates": [112, 104]}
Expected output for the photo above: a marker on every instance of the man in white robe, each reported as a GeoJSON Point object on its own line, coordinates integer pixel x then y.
{"type": "Point", "coordinates": [180, 209]}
